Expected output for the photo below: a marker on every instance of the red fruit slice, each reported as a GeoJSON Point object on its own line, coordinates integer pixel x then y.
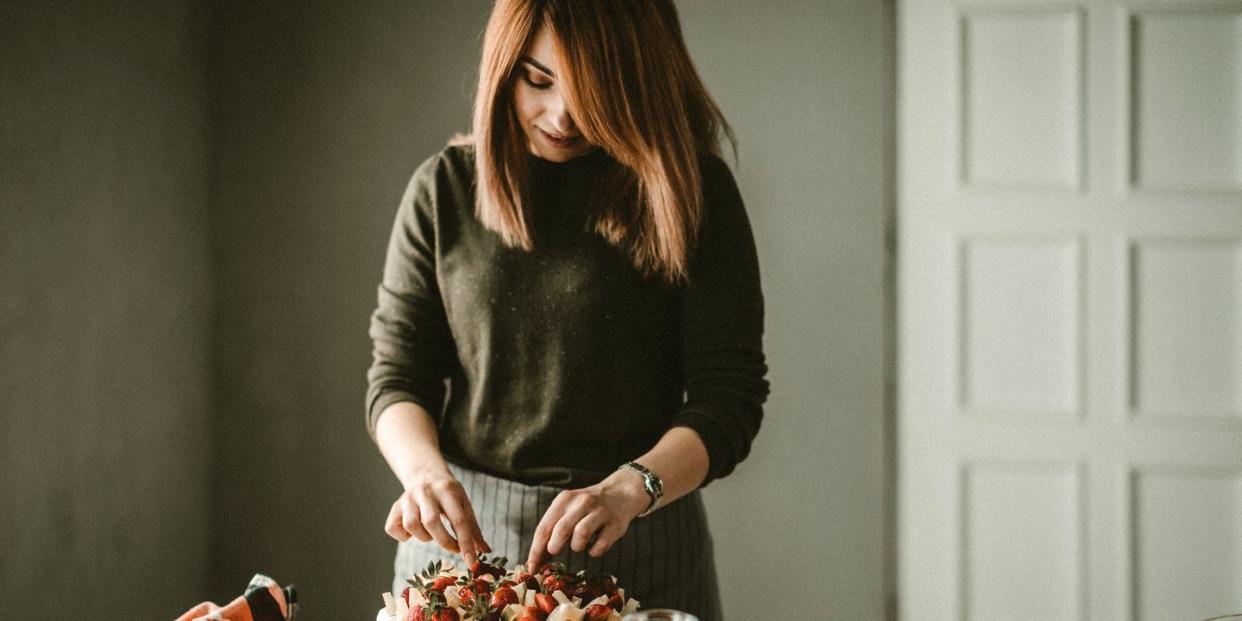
{"type": "Point", "coordinates": [545, 602]}
{"type": "Point", "coordinates": [503, 596]}
{"type": "Point", "coordinates": [533, 613]}
{"type": "Point", "coordinates": [551, 584]}
{"type": "Point", "coordinates": [598, 612]}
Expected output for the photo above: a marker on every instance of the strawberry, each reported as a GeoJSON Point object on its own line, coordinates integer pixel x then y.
{"type": "Point", "coordinates": [446, 614]}
{"type": "Point", "coordinates": [405, 595]}
{"type": "Point", "coordinates": [532, 613]}
{"type": "Point", "coordinates": [436, 612]}
{"type": "Point", "coordinates": [479, 568]}
{"type": "Point", "coordinates": [441, 583]}
{"type": "Point", "coordinates": [545, 602]}
{"type": "Point", "coordinates": [479, 587]}
{"type": "Point", "coordinates": [598, 612]}
{"type": "Point", "coordinates": [503, 596]}
{"type": "Point", "coordinates": [586, 591]}
{"type": "Point", "coordinates": [614, 601]}
{"type": "Point", "coordinates": [554, 583]}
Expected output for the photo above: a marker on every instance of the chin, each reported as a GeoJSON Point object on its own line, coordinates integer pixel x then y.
{"type": "Point", "coordinates": [563, 155]}
{"type": "Point", "coordinates": [542, 149]}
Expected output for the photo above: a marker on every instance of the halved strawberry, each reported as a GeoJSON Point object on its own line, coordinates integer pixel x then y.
{"type": "Point", "coordinates": [532, 613]}
{"type": "Point", "coordinates": [545, 602]}
{"type": "Point", "coordinates": [554, 583]}
{"type": "Point", "coordinates": [598, 612]}
{"type": "Point", "coordinates": [482, 567]}
{"type": "Point", "coordinates": [503, 596]}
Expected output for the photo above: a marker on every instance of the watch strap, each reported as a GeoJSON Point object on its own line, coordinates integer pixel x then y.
{"type": "Point", "coordinates": [651, 483]}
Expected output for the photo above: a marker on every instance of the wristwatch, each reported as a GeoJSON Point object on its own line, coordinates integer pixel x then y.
{"type": "Point", "coordinates": [651, 483]}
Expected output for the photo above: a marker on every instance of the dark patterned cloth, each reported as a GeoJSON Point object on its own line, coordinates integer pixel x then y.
{"type": "Point", "coordinates": [263, 600]}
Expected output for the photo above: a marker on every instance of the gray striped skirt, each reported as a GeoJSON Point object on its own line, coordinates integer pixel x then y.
{"type": "Point", "coordinates": [665, 560]}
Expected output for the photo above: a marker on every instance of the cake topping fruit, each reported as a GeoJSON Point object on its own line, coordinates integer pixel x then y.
{"type": "Point", "coordinates": [487, 591]}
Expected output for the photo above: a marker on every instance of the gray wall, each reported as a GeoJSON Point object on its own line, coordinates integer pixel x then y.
{"type": "Point", "coordinates": [104, 309]}
{"type": "Point", "coordinates": [806, 85]}
{"type": "Point", "coordinates": [329, 110]}
{"type": "Point", "coordinates": [326, 109]}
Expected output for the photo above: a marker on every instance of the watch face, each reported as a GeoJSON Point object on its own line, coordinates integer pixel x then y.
{"type": "Point", "coordinates": [651, 483]}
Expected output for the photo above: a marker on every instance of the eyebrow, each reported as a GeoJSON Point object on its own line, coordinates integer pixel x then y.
{"type": "Point", "coordinates": [536, 64]}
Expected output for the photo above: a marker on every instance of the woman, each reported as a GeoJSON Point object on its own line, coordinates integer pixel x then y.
{"type": "Point", "coordinates": [568, 336]}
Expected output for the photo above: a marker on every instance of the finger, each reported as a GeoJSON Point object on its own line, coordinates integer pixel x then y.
{"type": "Point", "coordinates": [410, 520]}
{"type": "Point", "coordinates": [480, 542]}
{"type": "Point", "coordinates": [586, 528]}
{"type": "Point", "coordinates": [538, 545]}
{"type": "Point", "coordinates": [431, 519]}
{"type": "Point", "coordinates": [392, 523]}
{"type": "Point", "coordinates": [464, 527]}
{"type": "Point", "coordinates": [608, 536]}
{"type": "Point", "coordinates": [565, 526]}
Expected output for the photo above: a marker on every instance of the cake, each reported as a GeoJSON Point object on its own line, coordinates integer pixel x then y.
{"type": "Point", "coordinates": [487, 591]}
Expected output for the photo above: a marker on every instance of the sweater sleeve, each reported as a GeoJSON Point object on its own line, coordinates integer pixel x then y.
{"type": "Point", "coordinates": [722, 329]}
{"type": "Point", "coordinates": [412, 345]}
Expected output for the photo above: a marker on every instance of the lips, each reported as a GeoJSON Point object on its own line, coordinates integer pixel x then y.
{"type": "Point", "coordinates": [560, 142]}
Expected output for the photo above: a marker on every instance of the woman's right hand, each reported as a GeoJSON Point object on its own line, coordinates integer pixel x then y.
{"type": "Point", "coordinates": [419, 511]}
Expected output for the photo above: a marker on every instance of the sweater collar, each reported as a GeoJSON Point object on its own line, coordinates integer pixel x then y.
{"type": "Point", "coordinates": [588, 161]}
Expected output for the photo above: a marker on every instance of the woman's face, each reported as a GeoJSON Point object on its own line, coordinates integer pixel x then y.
{"type": "Point", "coordinates": [540, 107]}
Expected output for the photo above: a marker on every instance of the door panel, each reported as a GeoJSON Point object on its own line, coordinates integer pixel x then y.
{"type": "Point", "coordinates": [1069, 310]}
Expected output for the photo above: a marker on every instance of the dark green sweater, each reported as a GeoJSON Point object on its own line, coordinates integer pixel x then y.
{"type": "Point", "coordinates": [557, 365]}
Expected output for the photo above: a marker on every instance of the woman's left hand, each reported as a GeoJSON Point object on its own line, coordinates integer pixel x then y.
{"type": "Point", "coordinates": [576, 515]}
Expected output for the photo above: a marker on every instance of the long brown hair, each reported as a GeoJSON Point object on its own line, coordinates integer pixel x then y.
{"type": "Point", "coordinates": [631, 88]}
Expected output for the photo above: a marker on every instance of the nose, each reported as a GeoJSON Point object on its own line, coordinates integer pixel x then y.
{"type": "Point", "coordinates": [558, 115]}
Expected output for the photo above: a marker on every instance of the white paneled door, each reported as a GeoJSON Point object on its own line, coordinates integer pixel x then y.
{"type": "Point", "coordinates": [1070, 310]}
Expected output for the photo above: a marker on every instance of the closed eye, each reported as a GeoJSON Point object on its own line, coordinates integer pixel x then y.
{"type": "Point", "coordinates": [536, 74]}
{"type": "Point", "coordinates": [527, 78]}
